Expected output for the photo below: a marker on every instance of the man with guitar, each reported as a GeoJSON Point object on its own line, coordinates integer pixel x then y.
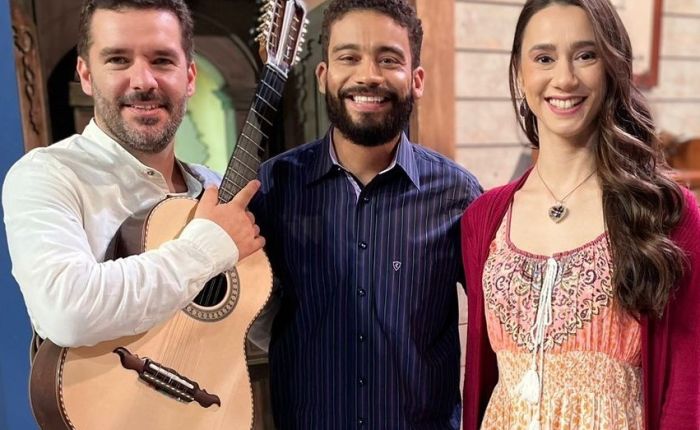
{"type": "Point", "coordinates": [363, 236]}
{"type": "Point", "coordinates": [63, 204]}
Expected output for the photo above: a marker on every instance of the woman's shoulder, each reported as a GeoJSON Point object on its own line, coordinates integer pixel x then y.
{"type": "Point", "coordinates": [496, 197]}
{"type": "Point", "coordinates": [485, 213]}
{"type": "Point", "coordinates": [686, 233]}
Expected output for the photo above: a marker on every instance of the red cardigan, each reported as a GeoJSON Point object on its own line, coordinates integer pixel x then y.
{"type": "Point", "coordinates": [670, 345]}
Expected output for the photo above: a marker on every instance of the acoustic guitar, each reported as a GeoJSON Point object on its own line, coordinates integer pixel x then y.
{"type": "Point", "coordinates": [189, 373]}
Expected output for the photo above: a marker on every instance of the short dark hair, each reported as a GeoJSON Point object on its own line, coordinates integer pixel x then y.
{"type": "Point", "coordinates": [399, 10]}
{"type": "Point", "coordinates": [177, 7]}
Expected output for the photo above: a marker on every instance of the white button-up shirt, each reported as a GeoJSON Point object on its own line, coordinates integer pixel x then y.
{"type": "Point", "coordinates": [63, 205]}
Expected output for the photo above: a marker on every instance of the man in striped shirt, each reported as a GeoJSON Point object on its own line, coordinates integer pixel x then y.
{"type": "Point", "coordinates": [362, 229]}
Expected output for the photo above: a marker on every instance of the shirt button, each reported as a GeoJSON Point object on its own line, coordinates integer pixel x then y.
{"type": "Point", "coordinates": [363, 245]}
{"type": "Point", "coordinates": [360, 422]}
{"type": "Point", "coordinates": [361, 337]}
{"type": "Point", "coordinates": [361, 381]}
{"type": "Point", "coordinates": [361, 292]}
{"type": "Point", "coordinates": [150, 172]}
{"type": "Point", "coordinates": [365, 199]}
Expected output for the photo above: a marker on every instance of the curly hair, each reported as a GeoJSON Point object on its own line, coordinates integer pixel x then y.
{"type": "Point", "coordinates": [641, 203]}
{"type": "Point", "coordinates": [177, 7]}
{"type": "Point", "coordinates": [399, 10]}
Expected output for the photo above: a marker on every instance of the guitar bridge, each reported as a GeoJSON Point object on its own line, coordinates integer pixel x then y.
{"type": "Point", "coordinates": [166, 380]}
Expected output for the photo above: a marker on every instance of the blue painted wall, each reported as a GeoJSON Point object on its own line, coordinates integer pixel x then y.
{"type": "Point", "coordinates": [15, 333]}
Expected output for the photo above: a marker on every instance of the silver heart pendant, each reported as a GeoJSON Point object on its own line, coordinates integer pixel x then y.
{"type": "Point", "coordinates": [557, 213]}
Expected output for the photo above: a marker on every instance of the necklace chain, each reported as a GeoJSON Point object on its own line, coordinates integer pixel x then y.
{"type": "Point", "coordinates": [558, 211]}
{"type": "Point", "coordinates": [563, 199]}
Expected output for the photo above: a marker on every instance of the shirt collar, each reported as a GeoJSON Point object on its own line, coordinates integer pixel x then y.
{"type": "Point", "coordinates": [120, 155]}
{"type": "Point", "coordinates": [326, 160]}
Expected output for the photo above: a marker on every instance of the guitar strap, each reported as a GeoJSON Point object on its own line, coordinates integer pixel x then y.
{"type": "Point", "coordinates": [34, 346]}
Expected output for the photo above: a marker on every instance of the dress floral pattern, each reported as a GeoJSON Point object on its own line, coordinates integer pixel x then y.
{"type": "Point", "coordinates": [592, 349]}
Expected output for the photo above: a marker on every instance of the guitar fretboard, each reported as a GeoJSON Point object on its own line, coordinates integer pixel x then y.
{"type": "Point", "coordinates": [253, 139]}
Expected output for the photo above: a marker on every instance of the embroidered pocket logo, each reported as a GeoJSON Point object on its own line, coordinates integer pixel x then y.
{"type": "Point", "coordinates": [397, 266]}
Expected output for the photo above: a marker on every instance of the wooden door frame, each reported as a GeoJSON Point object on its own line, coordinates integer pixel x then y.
{"type": "Point", "coordinates": [433, 123]}
{"type": "Point", "coordinates": [30, 80]}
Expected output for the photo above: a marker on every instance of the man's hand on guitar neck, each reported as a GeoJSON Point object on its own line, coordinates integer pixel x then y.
{"type": "Point", "coordinates": [234, 217]}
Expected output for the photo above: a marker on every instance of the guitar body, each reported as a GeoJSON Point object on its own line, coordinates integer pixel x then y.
{"type": "Point", "coordinates": [96, 388]}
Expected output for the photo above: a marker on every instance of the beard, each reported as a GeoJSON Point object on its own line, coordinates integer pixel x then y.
{"type": "Point", "coordinates": [371, 129]}
{"type": "Point", "coordinates": [151, 139]}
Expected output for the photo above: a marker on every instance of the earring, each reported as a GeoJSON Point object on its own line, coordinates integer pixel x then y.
{"type": "Point", "coordinates": [523, 107]}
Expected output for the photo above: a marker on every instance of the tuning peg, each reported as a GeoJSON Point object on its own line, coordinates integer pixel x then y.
{"type": "Point", "coordinates": [268, 6]}
{"type": "Point", "coordinates": [264, 27]}
{"type": "Point", "coordinates": [261, 38]}
{"type": "Point", "coordinates": [265, 17]}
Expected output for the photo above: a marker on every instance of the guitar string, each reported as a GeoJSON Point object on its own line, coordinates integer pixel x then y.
{"type": "Point", "coordinates": [238, 159]}
{"type": "Point", "coordinates": [212, 290]}
{"type": "Point", "coordinates": [169, 358]}
{"type": "Point", "coordinates": [170, 353]}
{"type": "Point", "coordinates": [190, 364]}
{"type": "Point", "coordinates": [179, 364]}
{"type": "Point", "coordinates": [185, 326]}
{"type": "Point", "coordinates": [188, 361]}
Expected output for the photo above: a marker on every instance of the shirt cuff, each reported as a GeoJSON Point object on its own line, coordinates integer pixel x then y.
{"type": "Point", "coordinates": [213, 241]}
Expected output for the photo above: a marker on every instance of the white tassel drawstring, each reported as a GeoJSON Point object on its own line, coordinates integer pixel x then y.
{"type": "Point", "coordinates": [534, 425]}
{"type": "Point", "coordinates": [530, 387]}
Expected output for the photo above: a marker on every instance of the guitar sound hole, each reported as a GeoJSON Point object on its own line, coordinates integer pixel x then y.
{"type": "Point", "coordinates": [213, 293]}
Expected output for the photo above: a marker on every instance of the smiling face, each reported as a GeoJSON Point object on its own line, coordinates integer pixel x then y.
{"type": "Point", "coordinates": [138, 76]}
{"type": "Point", "coordinates": [561, 74]}
{"type": "Point", "coordinates": [368, 82]}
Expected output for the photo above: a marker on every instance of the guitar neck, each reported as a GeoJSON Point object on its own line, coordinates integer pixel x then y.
{"type": "Point", "coordinates": [253, 139]}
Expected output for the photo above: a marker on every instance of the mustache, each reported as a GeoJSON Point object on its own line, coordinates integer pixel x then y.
{"type": "Point", "coordinates": [144, 96]}
{"type": "Point", "coordinates": [369, 91]}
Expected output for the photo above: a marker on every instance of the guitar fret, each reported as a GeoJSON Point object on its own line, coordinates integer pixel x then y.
{"type": "Point", "coordinates": [267, 103]}
{"type": "Point", "coordinates": [251, 155]}
{"type": "Point", "coordinates": [240, 175]}
{"type": "Point", "coordinates": [236, 185]}
{"type": "Point", "coordinates": [254, 171]}
{"type": "Point", "coordinates": [250, 140]}
{"type": "Point", "coordinates": [226, 191]}
{"type": "Point", "coordinates": [257, 129]}
{"type": "Point", "coordinates": [272, 88]}
{"type": "Point", "coordinates": [261, 116]}
{"type": "Point", "coordinates": [225, 183]}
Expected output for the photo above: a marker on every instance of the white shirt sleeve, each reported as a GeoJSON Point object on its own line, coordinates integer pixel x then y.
{"type": "Point", "coordinates": [75, 300]}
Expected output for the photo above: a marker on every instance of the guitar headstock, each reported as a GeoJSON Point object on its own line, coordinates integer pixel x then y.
{"type": "Point", "coordinates": [282, 30]}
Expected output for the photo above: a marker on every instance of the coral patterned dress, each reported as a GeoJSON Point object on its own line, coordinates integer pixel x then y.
{"type": "Point", "coordinates": [589, 361]}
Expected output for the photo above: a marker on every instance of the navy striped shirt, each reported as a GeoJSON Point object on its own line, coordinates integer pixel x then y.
{"type": "Point", "coordinates": [366, 335]}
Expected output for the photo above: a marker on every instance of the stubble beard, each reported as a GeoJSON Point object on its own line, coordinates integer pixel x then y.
{"type": "Point", "coordinates": [149, 139]}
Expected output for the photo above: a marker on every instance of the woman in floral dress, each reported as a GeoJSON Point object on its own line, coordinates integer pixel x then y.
{"type": "Point", "coordinates": [582, 276]}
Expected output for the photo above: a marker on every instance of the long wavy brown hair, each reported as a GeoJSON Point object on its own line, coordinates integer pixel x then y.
{"type": "Point", "coordinates": [641, 203]}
